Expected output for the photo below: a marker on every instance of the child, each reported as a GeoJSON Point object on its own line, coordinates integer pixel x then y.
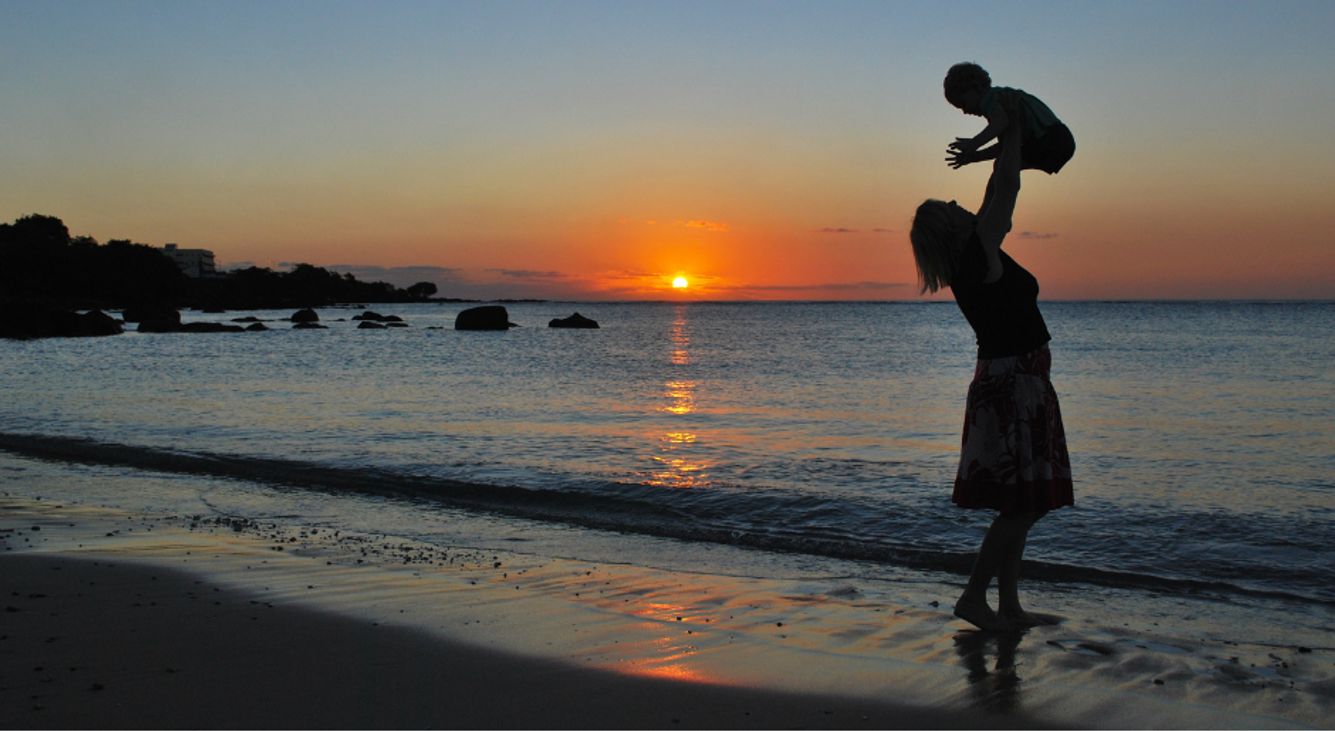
{"type": "Point", "coordinates": [1045, 143]}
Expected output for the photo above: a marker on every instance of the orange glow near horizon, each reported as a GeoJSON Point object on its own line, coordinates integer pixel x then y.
{"type": "Point", "coordinates": [680, 283]}
{"type": "Point", "coordinates": [804, 191]}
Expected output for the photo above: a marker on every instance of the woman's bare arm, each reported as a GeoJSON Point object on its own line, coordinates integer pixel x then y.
{"type": "Point", "coordinates": [994, 221]}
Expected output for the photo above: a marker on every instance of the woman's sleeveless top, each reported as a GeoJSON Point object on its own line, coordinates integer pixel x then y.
{"type": "Point", "coordinates": [1004, 314]}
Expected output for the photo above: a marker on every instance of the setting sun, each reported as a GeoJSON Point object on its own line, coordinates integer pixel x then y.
{"type": "Point", "coordinates": [680, 283]}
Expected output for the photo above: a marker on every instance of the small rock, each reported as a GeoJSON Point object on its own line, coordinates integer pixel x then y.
{"type": "Point", "coordinates": [574, 321]}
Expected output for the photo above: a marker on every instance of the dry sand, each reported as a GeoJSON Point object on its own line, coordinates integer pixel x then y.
{"type": "Point", "coordinates": [119, 620]}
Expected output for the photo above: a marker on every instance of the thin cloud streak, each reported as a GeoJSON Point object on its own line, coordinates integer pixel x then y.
{"type": "Point", "coordinates": [716, 226]}
{"type": "Point", "coordinates": [527, 274]}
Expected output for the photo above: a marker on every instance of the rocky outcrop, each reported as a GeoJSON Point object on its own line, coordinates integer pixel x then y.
{"type": "Point", "coordinates": [487, 317]}
{"type": "Point", "coordinates": [369, 325]}
{"type": "Point", "coordinates": [305, 315]}
{"type": "Point", "coordinates": [158, 320]}
{"type": "Point", "coordinates": [153, 318]}
{"type": "Point", "coordinates": [256, 327]}
{"type": "Point", "coordinates": [574, 321]}
{"type": "Point", "coordinates": [24, 322]}
{"type": "Point", "coordinates": [97, 323]}
{"type": "Point", "coordinates": [139, 313]}
{"type": "Point", "coordinates": [372, 316]}
{"type": "Point", "coordinates": [209, 327]}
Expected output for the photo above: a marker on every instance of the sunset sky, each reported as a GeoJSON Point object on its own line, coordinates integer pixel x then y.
{"type": "Point", "coordinates": [598, 150]}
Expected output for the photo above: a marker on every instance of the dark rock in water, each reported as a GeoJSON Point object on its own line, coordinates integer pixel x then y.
{"type": "Point", "coordinates": [368, 325]}
{"type": "Point", "coordinates": [305, 315]}
{"type": "Point", "coordinates": [97, 322]}
{"type": "Point", "coordinates": [247, 318]}
{"type": "Point", "coordinates": [209, 327]}
{"type": "Point", "coordinates": [369, 315]}
{"type": "Point", "coordinates": [153, 318]}
{"type": "Point", "coordinates": [487, 317]}
{"type": "Point", "coordinates": [309, 326]}
{"type": "Point", "coordinates": [576, 320]}
{"type": "Point", "coordinates": [256, 327]}
{"type": "Point", "coordinates": [25, 321]}
{"type": "Point", "coordinates": [391, 318]}
{"type": "Point", "coordinates": [396, 324]}
{"type": "Point", "coordinates": [158, 320]}
{"type": "Point", "coordinates": [139, 313]}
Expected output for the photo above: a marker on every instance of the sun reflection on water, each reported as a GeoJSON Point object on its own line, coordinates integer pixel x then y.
{"type": "Point", "coordinates": [676, 463]}
{"type": "Point", "coordinates": [680, 395]}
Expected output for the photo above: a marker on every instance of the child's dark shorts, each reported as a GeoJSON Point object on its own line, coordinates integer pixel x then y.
{"type": "Point", "coordinates": [1049, 152]}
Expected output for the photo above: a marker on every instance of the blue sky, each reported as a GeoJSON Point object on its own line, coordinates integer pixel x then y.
{"type": "Point", "coordinates": [488, 136]}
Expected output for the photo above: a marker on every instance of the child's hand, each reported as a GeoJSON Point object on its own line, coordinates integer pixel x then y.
{"type": "Point", "coordinates": [959, 158]}
{"type": "Point", "coordinates": [963, 144]}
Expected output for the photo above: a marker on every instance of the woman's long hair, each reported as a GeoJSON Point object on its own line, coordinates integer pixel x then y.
{"type": "Point", "coordinates": [935, 249]}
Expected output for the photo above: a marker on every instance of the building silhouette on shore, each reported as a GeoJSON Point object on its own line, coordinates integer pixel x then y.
{"type": "Point", "coordinates": [194, 263]}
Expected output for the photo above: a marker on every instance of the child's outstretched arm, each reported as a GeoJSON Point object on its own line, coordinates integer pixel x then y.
{"type": "Point", "coordinates": [959, 158]}
{"type": "Point", "coordinates": [997, 123]}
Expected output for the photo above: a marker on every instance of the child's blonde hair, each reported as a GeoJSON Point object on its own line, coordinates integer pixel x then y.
{"type": "Point", "coordinates": [934, 247]}
{"type": "Point", "coordinates": [963, 77]}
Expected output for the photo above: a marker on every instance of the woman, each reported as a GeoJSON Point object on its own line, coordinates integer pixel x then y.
{"type": "Point", "coordinates": [1013, 456]}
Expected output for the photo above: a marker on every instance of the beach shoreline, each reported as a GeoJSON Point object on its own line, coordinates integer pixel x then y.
{"type": "Point", "coordinates": [120, 644]}
{"type": "Point", "coordinates": [307, 635]}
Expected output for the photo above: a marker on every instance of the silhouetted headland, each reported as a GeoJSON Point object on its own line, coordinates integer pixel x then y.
{"type": "Point", "coordinates": [46, 275]}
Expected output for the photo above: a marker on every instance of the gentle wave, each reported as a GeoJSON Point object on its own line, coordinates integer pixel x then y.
{"type": "Point", "coordinates": [733, 518]}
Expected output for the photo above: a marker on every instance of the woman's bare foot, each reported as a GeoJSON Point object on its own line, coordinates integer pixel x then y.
{"type": "Point", "coordinates": [977, 613]}
{"type": "Point", "coordinates": [1020, 619]}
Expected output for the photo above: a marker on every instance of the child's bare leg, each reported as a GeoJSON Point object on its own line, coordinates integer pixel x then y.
{"type": "Point", "coordinates": [987, 198]}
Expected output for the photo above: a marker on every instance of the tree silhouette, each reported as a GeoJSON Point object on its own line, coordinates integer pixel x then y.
{"type": "Point", "coordinates": [41, 263]}
{"type": "Point", "coordinates": [421, 290]}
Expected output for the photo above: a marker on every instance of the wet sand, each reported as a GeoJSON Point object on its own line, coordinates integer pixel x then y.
{"type": "Point", "coordinates": [116, 619]}
{"type": "Point", "coordinates": [115, 644]}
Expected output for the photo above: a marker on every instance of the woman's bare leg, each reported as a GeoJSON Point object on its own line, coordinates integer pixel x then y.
{"type": "Point", "coordinates": [997, 548]}
{"type": "Point", "coordinates": [1008, 576]}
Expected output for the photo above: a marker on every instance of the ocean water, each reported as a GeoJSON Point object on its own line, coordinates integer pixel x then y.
{"type": "Point", "coordinates": [816, 435]}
